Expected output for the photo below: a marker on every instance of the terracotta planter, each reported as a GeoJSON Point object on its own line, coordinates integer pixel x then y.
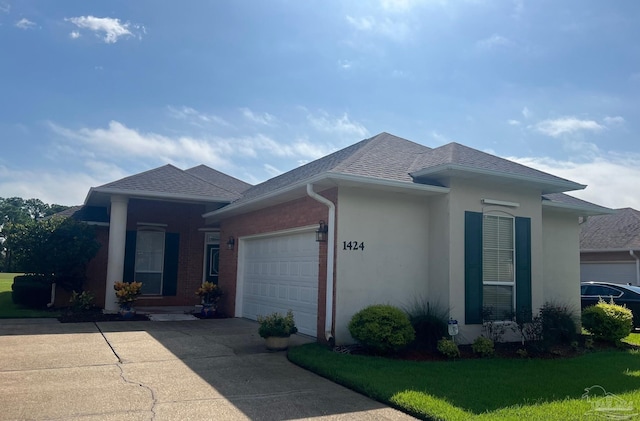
{"type": "Point", "coordinates": [277, 343]}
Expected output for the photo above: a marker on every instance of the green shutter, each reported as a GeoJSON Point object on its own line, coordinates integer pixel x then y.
{"type": "Point", "coordinates": [523, 268]}
{"type": "Point", "coordinates": [473, 267]}
{"type": "Point", "coordinates": [130, 257]}
{"type": "Point", "coordinates": [170, 275]}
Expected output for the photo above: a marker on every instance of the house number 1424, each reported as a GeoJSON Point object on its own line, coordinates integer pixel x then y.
{"type": "Point", "coordinates": [352, 245]}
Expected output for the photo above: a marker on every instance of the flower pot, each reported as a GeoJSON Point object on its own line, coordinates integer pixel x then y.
{"type": "Point", "coordinates": [277, 343]}
{"type": "Point", "coordinates": [208, 310]}
{"type": "Point", "coordinates": [127, 312]}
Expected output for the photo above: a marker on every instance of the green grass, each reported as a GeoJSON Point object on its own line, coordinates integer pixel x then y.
{"type": "Point", "coordinates": [482, 389]}
{"type": "Point", "coordinates": [10, 310]}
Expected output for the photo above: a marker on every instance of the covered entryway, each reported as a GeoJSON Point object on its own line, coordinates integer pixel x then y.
{"type": "Point", "coordinates": [277, 273]}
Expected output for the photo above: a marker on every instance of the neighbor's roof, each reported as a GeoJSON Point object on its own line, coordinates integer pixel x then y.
{"type": "Point", "coordinates": [617, 231]}
{"type": "Point", "coordinates": [200, 184]}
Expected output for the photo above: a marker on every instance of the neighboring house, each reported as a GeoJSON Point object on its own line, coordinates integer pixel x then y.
{"type": "Point", "coordinates": [450, 225]}
{"type": "Point", "coordinates": [610, 247]}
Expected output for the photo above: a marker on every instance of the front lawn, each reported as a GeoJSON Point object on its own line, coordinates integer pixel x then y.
{"type": "Point", "coordinates": [482, 389]}
{"type": "Point", "coordinates": [10, 310]}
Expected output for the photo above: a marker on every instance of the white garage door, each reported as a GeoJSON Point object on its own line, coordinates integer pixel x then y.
{"type": "Point", "coordinates": [620, 273]}
{"type": "Point", "coordinates": [281, 273]}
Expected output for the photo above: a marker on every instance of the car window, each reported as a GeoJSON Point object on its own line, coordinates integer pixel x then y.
{"type": "Point", "coordinates": [583, 289]}
{"type": "Point", "coordinates": [602, 291]}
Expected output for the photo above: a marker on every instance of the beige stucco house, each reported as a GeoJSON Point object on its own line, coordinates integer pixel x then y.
{"type": "Point", "coordinates": [450, 225]}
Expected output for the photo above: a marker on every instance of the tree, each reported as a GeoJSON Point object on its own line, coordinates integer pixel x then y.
{"type": "Point", "coordinates": [15, 210]}
{"type": "Point", "coordinates": [57, 248]}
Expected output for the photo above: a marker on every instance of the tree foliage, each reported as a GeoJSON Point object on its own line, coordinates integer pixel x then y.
{"type": "Point", "coordinates": [14, 211]}
{"type": "Point", "coordinates": [57, 248]}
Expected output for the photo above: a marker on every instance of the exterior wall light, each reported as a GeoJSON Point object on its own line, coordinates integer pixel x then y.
{"type": "Point", "coordinates": [322, 232]}
{"type": "Point", "coordinates": [231, 243]}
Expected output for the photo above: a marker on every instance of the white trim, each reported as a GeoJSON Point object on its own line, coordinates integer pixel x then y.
{"type": "Point", "coordinates": [287, 231]}
{"type": "Point", "coordinates": [329, 177]}
{"type": "Point", "coordinates": [588, 210]}
{"type": "Point", "coordinates": [500, 203]}
{"type": "Point", "coordinates": [142, 194]}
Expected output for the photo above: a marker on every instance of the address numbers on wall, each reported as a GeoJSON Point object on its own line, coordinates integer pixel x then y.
{"type": "Point", "coordinates": [353, 245]}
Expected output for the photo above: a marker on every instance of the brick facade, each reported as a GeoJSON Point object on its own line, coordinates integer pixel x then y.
{"type": "Point", "coordinates": [297, 213]}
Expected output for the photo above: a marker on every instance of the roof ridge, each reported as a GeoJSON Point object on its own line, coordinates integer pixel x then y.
{"type": "Point", "coordinates": [207, 181]}
{"type": "Point", "coordinates": [140, 174]}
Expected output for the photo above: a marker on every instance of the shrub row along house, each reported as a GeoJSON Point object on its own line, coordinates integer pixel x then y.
{"type": "Point", "coordinates": [459, 228]}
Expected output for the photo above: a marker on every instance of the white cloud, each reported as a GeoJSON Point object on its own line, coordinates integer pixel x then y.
{"type": "Point", "coordinates": [195, 117]}
{"type": "Point", "coordinates": [526, 113]}
{"type": "Point", "coordinates": [611, 178]}
{"type": "Point", "coordinates": [263, 118]}
{"type": "Point", "coordinates": [566, 125]}
{"type": "Point", "coordinates": [111, 28]}
{"type": "Point", "coordinates": [340, 125]}
{"type": "Point", "coordinates": [396, 30]}
{"type": "Point", "coordinates": [494, 41]}
{"type": "Point", "coordinates": [74, 34]}
{"type": "Point", "coordinates": [5, 7]}
{"type": "Point", "coordinates": [440, 138]}
{"type": "Point", "coordinates": [271, 170]}
{"type": "Point", "coordinates": [345, 64]}
{"type": "Point", "coordinates": [513, 122]}
{"type": "Point", "coordinates": [613, 121]}
{"type": "Point", "coordinates": [518, 8]}
{"type": "Point", "coordinates": [25, 23]}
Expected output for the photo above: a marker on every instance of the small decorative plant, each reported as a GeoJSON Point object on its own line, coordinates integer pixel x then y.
{"type": "Point", "coordinates": [209, 292]}
{"type": "Point", "coordinates": [448, 348]}
{"type": "Point", "coordinates": [81, 302]}
{"type": "Point", "coordinates": [483, 346]}
{"type": "Point", "coordinates": [277, 325]}
{"type": "Point", "coordinates": [127, 293]}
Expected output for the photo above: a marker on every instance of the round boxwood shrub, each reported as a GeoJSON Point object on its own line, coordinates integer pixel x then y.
{"type": "Point", "coordinates": [483, 346]}
{"type": "Point", "coordinates": [608, 321]}
{"type": "Point", "coordinates": [32, 291]}
{"type": "Point", "coordinates": [382, 328]}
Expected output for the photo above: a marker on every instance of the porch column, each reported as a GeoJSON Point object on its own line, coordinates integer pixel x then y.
{"type": "Point", "coordinates": [115, 259]}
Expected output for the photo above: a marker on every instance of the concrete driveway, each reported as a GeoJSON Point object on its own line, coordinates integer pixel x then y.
{"type": "Point", "coordinates": [174, 370]}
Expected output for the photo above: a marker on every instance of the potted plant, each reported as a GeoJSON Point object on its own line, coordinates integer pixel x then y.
{"type": "Point", "coordinates": [126, 294]}
{"type": "Point", "coordinates": [276, 328]}
{"type": "Point", "coordinates": [210, 294]}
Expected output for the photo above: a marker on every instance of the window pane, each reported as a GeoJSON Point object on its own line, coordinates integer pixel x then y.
{"type": "Point", "coordinates": [150, 261]}
{"type": "Point", "coordinates": [498, 249]}
{"type": "Point", "coordinates": [151, 283]}
{"type": "Point", "coordinates": [497, 302]}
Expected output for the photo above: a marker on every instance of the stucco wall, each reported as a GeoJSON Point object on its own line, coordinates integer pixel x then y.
{"type": "Point", "coordinates": [467, 195]}
{"type": "Point", "coordinates": [393, 266]}
{"type": "Point", "coordinates": [561, 239]}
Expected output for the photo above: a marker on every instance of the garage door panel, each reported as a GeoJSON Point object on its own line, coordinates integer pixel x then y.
{"type": "Point", "coordinates": [281, 273]}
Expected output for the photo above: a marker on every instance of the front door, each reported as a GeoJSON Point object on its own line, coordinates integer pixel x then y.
{"type": "Point", "coordinates": [213, 263]}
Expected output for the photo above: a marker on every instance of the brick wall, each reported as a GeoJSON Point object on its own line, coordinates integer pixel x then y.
{"type": "Point", "coordinates": [293, 214]}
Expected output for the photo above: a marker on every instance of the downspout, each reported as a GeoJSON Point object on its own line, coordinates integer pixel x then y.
{"type": "Point", "coordinates": [53, 295]}
{"type": "Point", "coordinates": [637, 266]}
{"type": "Point", "coordinates": [328, 319]}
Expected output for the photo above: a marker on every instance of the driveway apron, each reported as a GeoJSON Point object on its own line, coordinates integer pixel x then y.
{"type": "Point", "coordinates": [172, 370]}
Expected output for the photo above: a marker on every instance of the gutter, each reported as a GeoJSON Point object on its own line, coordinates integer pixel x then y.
{"type": "Point", "coordinates": [637, 266]}
{"type": "Point", "coordinates": [53, 295]}
{"type": "Point", "coordinates": [328, 318]}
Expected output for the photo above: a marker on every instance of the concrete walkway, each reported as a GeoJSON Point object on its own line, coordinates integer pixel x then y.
{"type": "Point", "coordinates": [174, 370]}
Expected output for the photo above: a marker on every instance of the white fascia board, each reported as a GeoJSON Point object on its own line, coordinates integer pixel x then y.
{"type": "Point", "coordinates": [565, 185]}
{"type": "Point", "coordinates": [335, 177]}
{"type": "Point", "coordinates": [584, 210]}
{"type": "Point", "coordinates": [617, 250]}
{"type": "Point", "coordinates": [142, 194]}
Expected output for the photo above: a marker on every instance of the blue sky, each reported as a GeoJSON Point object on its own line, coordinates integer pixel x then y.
{"type": "Point", "coordinates": [95, 91]}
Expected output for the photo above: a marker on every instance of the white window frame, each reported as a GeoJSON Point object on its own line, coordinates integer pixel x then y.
{"type": "Point", "coordinates": [154, 229]}
{"type": "Point", "coordinates": [512, 283]}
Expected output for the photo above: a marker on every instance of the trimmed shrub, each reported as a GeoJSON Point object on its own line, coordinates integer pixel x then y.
{"type": "Point", "coordinates": [483, 346]}
{"type": "Point", "coordinates": [608, 321]}
{"type": "Point", "coordinates": [429, 322]}
{"type": "Point", "coordinates": [448, 348]}
{"type": "Point", "coordinates": [557, 324]}
{"type": "Point", "coordinates": [81, 303]}
{"type": "Point", "coordinates": [32, 291]}
{"type": "Point", "coordinates": [382, 328]}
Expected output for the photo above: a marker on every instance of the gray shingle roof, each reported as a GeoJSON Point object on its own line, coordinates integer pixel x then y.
{"type": "Point", "coordinates": [620, 230]}
{"type": "Point", "coordinates": [383, 156]}
{"type": "Point", "coordinates": [464, 157]}
{"type": "Point", "coordinates": [219, 179]}
{"type": "Point", "coordinates": [169, 180]}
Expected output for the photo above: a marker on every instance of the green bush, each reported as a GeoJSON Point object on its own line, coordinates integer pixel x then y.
{"type": "Point", "coordinates": [382, 328]}
{"type": "Point", "coordinates": [608, 321]}
{"type": "Point", "coordinates": [448, 348]}
{"type": "Point", "coordinates": [32, 291]}
{"type": "Point", "coordinates": [429, 322]}
{"type": "Point", "coordinates": [276, 324]}
{"type": "Point", "coordinates": [81, 302]}
{"type": "Point", "coordinates": [557, 324]}
{"type": "Point", "coordinates": [483, 346]}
